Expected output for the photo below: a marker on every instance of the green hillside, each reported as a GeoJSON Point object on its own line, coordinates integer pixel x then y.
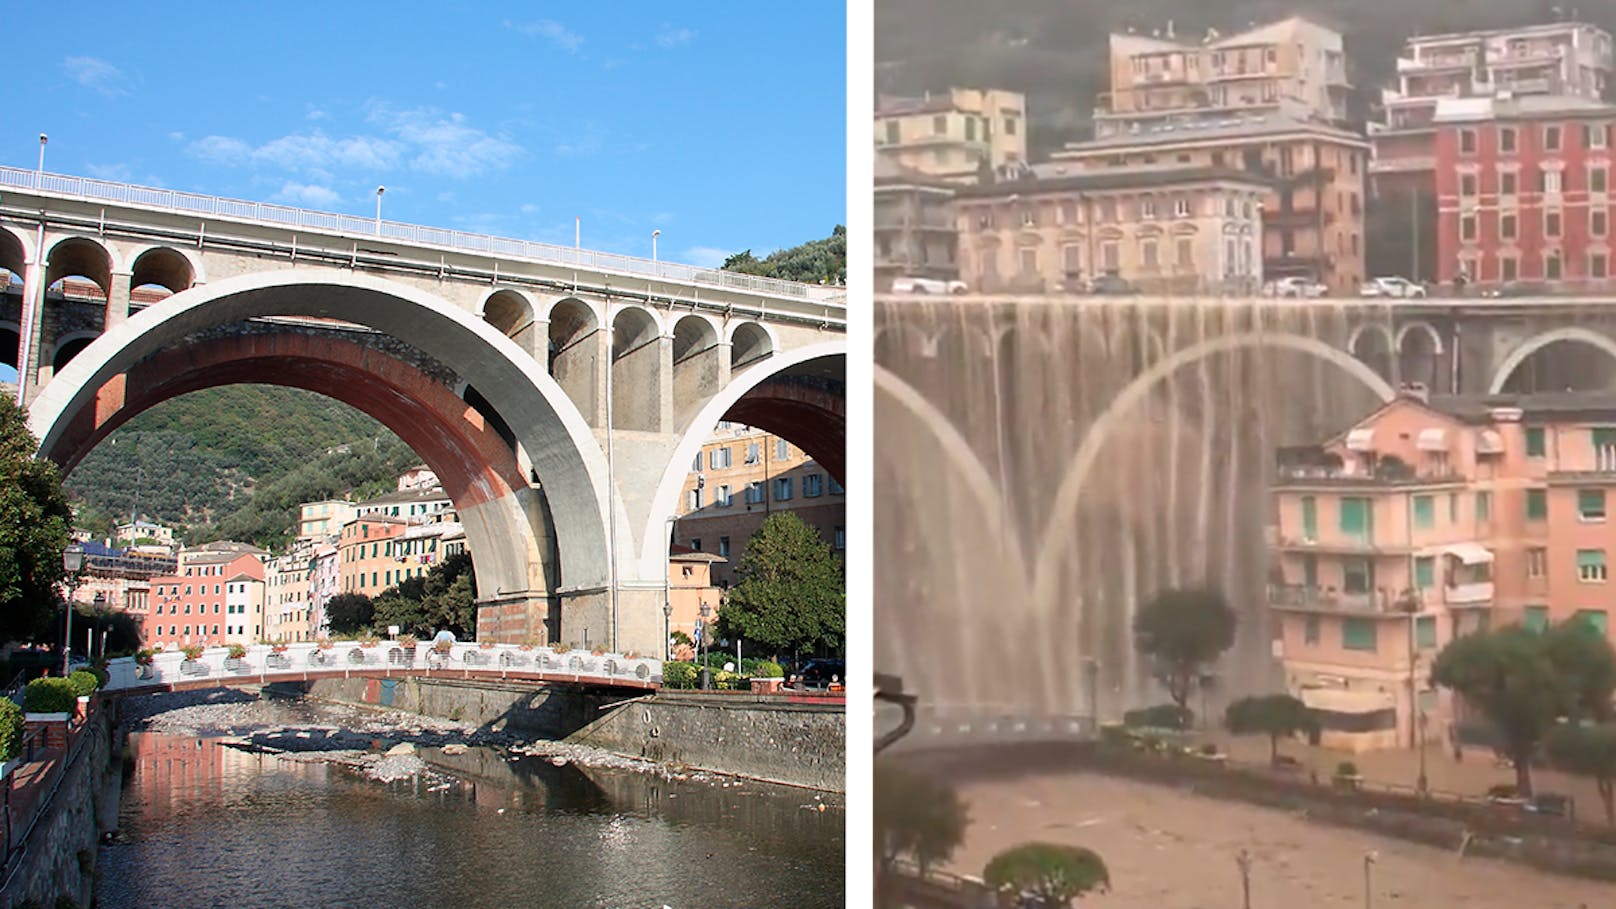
{"type": "Point", "coordinates": [1055, 51]}
{"type": "Point", "coordinates": [815, 262]}
{"type": "Point", "coordinates": [235, 462]}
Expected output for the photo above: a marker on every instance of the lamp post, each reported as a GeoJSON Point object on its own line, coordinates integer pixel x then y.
{"type": "Point", "coordinates": [1368, 868]}
{"type": "Point", "coordinates": [89, 633]}
{"type": "Point", "coordinates": [72, 561]}
{"type": "Point", "coordinates": [379, 191]}
{"type": "Point", "coordinates": [39, 175]}
{"type": "Point", "coordinates": [667, 630]}
{"type": "Point", "coordinates": [706, 633]}
{"type": "Point", "coordinates": [654, 235]}
{"type": "Point", "coordinates": [1244, 861]}
{"type": "Point", "coordinates": [1093, 666]}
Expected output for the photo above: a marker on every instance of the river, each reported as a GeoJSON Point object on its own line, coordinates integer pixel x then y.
{"type": "Point", "coordinates": [206, 824]}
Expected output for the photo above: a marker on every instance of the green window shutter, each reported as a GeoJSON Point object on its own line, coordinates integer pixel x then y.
{"type": "Point", "coordinates": [1453, 508]}
{"type": "Point", "coordinates": [1604, 437]}
{"type": "Point", "coordinates": [1591, 504]}
{"type": "Point", "coordinates": [1358, 634]}
{"type": "Point", "coordinates": [1537, 504]}
{"type": "Point", "coordinates": [1425, 632]}
{"type": "Point", "coordinates": [1310, 630]}
{"type": "Point", "coordinates": [1596, 619]}
{"type": "Point", "coordinates": [1355, 517]}
{"type": "Point", "coordinates": [1310, 518]}
{"type": "Point", "coordinates": [1591, 564]}
{"type": "Point", "coordinates": [1484, 505]}
{"type": "Point", "coordinates": [1424, 512]}
{"type": "Point", "coordinates": [1534, 442]}
{"type": "Point", "coordinates": [1537, 618]}
{"type": "Point", "coordinates": [1424, 572]}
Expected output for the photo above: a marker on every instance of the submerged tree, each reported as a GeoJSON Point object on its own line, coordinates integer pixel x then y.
{"type": "Point", "coordinates": [790, 594]}
{"type": "Point", "coordinates": [1588, 751]}
{"type": "Point", "coordinates": [1182, 631]}
{"type": "Point", "coordinates": [1048, 875]}
{"type": "Point", "coordinates": [915, 817]}
{"type": "Point", "coordinates": [1273, 715]}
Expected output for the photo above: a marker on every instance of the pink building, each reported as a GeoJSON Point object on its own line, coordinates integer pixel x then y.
{"type": "Point", "coordinates": [213, 595]}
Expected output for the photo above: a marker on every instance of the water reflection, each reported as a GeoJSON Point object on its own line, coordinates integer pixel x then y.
{"type": "Point", "coordinates": [208, 825]}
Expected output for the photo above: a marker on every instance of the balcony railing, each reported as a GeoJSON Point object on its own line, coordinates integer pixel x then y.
{"type": "Point", "coordinates": [414, 234]}
{"type": "Point", "coordinates": [1304, 598]}
{"type": "Point", "coordinates": [1472, 593]}
{"type": "Point", "coordinates": [1316, 474]}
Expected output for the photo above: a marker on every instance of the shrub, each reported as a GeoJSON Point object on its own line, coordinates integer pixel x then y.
{"type": "Point", "coordinates": [84, 683]}
{"type": "Point", "coordinates": [236, 651]}
{"type": "Point", "coordinates": [100, 673]}
{"type": "Point", "coordinates": [1346, 768]}
{"type": "Point", "coordinates": [679, 675]}
{"type": "Point", "coordinates": [192, 651]}
{"type": "Point", "coordinates": [1116, 735]}
{"type": "Point", "coordinates": [145, 656]}
{"type": "Point", "coordinates": [1209, 749]}
{"type": "Point", "coordinates": [407, 641]}
{"type": "Point", "coordinates": [768, 669]}
{"type": "Point", "coordinates": [1161, 716]}
{"type": "Point", "coordinates": [12, 725]}
{"type": "Point", "coordinates": [725, 680]}
{"type": "Point", "coordinates": [51, 695]}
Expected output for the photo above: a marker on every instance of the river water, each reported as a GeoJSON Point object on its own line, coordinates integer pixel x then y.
{"type": "Point", "coordinates": [204, 824]}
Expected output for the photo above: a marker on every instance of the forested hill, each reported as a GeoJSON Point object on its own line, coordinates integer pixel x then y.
{"type": "Point", "coordinates": [234, 462]}
{"type": "Point", "coordinates": [1055, 51]}
{"type": "Point", "coordinates": [815, 262]}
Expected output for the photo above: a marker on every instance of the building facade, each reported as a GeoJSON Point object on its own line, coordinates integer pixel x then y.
{"type": "Point", "coordinates": [741, 476]}
{"type": "Point", "coordinates": [322, 521]}
{"type": "Point", "coordinates": [325, 582]}
{"type": "Point", "coordinates": [915, 234]}
{"type": "Point", "coordinates": [690, 586]}
{"type": "Point", "coordinates": [955, 135]}
{"type": "Point", "coordinates": [190, 607]}
{"type": "Point", "coordinates": [1192, 230]}
{"type": "Point", "coordinates": [415, 504]}
{"type": "Point", "coordinates": [366, 563]}
{"type": "Point", "coordinates": [287, 591]}
{"type": "Point", "coordinates": [1523, 191]}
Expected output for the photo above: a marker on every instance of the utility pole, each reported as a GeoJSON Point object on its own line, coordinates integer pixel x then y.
{"type": "Point", "coordinates": [1244, 861]}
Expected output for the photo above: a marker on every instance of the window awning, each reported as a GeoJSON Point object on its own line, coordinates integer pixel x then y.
{"type": "Point", "coordinates": [1470, 553]}
{"type": "Point", "coordinates": [1490, 442]}
{"type": "Point", "coordinates": [1336, 700]}
{"type": "Point", "coordinates": [1433, 440]}
{"type": "Point", "coordinates": [1361, 440]}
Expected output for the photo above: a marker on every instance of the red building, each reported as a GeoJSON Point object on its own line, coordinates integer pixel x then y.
{"type": "Point", "coordinates": [195, 606]}
{"type": "Point", "coordinates": [1524, 192]}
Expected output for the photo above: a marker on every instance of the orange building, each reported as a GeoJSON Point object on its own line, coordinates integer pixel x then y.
{"type": "Point", "coordinates": [1421, 523]}
{"type": "Point", "coordinates": [366, 561]}
{"type": "Point", "coordinates": [690, 584]}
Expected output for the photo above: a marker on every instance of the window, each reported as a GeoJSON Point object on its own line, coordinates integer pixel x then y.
{"type": "Point", "coordinates": [1425, 632]}
{"type": "Point", "coordinates": [1604, 443]}
{"type": "Point", "coordinates": [1067, 213]}
{"type": "Point", "coordinates": [1595, 135]}
{"type": "Point", "coordinates": [1597, 177]}
{"type": "Point", "coordinates": [813, 485]}
{"type": "Point", "coordinates": [1009, 126]}
{"type": "Point", "coordinates": [1310, 519]}
{"type": "Point", "coordinates": [970, 129]}
{"type": "Point", "coordinates": [1551, 138]}
{"type": "Point", "coordinates": [1148, 254]}
{"type": "Point", "coordinates": [1550, 182]}
{"type": "Point", "coordinates": [892, 131]}
{"type": "Point", "coordinates": [695, 499]}
{"type": "Point", "coordinates": [782, 450]}
{"type": "Point", "coordinates": [723, 547]}
{"type": "Point", "coordinates": [1358, 634]}
{"type": "Point", "coordinates": [1484, 505]}
{"type": "Point", "coordinates": [1467, 185]}
{"type": "Point", "coordinates": [1534, 442]}
{"type": "Point", "coordinates": [718, 457]}
{"type": "Point", "coordinates": [1598, 222]}
{"type": "Point", "coordinates": [939, 125]}
{"type": "Point", "coordinates": [695, 543]}
{"type": "Point", "coordinates": [1506, 226]}
{"type": "Point", "coordinates": [1029, 261]}
{"type": "Point", "coordinates": [722, 498]}
{"type": "Point", "coordinates": [1147, 208]}
{"type": "Point", "coordinates": [1108, 255]}
{"type": "Point", "coordinates": [1186, 252]}
{"type": "Point", "coordinates": [1357, 576]}
{"type": "Point", "coordinates": [1537, 504]}
{"type": "Point", "coordinates": [1598, 265]}
{"type": "Point", "coordinates": [1424, 572]}
{"type": "Point", "coordinates": [753, 454]}
{"type": "Point", "coordinates": [1467, 141]}
{"type": "Point", "coordinates": [1596, 619]}
{"type": "Point", "coordinates": [1506, 183]}
{"type": "Point", "coordinates": [754, 493]}
{"type": "Point", "coordinates": [1552, 267]}
{"type": "Point", "coordinates": [782, 489]}
{"type": "Point", "coordinates": [1506, 139]}
{"type": "Point", "coordinates": [1467, 228]}
{"type": "Point", "coordinates": [1354, 518]}
{"type": "Point", "coordinates": [1551, 224]}
{"type": "Point", "coordinates": [1591, 504]}
{"type": "Point", "coordinates": [1591, 565]}
{"type": "Point", "coordinates": [1181, 208]}
{"type": "Point", "coordinates": [1310, 630]}
{"type": "Point", "coordinates": [1424, 512]}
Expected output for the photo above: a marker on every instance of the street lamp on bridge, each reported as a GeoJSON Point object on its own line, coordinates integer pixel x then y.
{"type": "Point", "coordinates": [654, 235]}
{"type": "Point", "coordinates": [706, 634]}
{"type": "Point", "coordinates": [72, 562]}
{"type": "Point", "coordinates": [39, 175]}
{"type": "Point", "coordinates": [379, 191]}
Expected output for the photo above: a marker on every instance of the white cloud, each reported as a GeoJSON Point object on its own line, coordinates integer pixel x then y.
{"type": "Point", "coordinates": [674, 37]}
{"type": "Point", "coordinates": [551, 31]}
{"type": "Point", "coordinates": [97, 74]}
{"type": "Point", "coordinates": [118, 173]}
{"type": "Point", "coordinates": [316, 113]}
{"type": "Point", "coordinates": [221, 150]}
{"type": "Point", "coordinates": [308, 194]}
{"type": "Point", "coordinates": [445, 144]}
{"type": "Point", "coordinates": [528, 208]}
{"type": "Point", "coordinates": [177, 136]}
{"type": "Point", "coordinates": [705, 256]}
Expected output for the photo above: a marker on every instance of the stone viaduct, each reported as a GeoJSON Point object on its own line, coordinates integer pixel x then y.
{"type": "Point", "coordinates": [560, 394]}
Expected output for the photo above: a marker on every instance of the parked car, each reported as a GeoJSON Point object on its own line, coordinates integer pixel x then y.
{"type": "Point", "coordinates": [1519, 289]}
{"type": "Point", "coordinates": [927, 286]}
{"type": "Point", "coordinates": [1111, 285]}
{"type": "Point", "coordinates": [1294, 287]}
{"type": "Point", "coordinates": [1391, 287]}
{"type": "Point", "coordinates": [821, 673]}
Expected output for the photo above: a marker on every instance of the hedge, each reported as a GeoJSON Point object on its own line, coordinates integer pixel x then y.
{"type": "Point", "coordinates": [84, 683]}
{"type": "Point", "coordinates": [51, 695]}
{"type": "Point", "coordinates": [13, 722]}
{"type": "Point", "coordinates": [1162, 716]}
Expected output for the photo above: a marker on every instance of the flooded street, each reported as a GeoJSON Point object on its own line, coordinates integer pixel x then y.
{"type": "Point", "coordinates": [1168, 849]}
{"type": "Point", "coordinates": [205, 824]}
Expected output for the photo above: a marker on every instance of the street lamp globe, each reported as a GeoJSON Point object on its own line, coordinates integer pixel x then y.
{"type": "Point", "coordinates": [73, 558]}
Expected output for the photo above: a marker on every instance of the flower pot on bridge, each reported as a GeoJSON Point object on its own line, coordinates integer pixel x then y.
{"type": "Point", "coordinates": [766, 686]}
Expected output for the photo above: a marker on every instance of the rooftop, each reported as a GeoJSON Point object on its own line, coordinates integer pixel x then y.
{"type": "Point", "coordinates": [1463, 110]}
{"type": "Point", "coordinates": [406, 497]}
{"type": "Point", "coordinates": [1055, 177]}
{"type": "Point", "coordinates": [1203, 129]}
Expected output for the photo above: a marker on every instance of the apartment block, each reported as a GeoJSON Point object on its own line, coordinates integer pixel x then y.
{"type": "Point", "coordinates": [915, 234]}
{"type": "Point", "coordinates": [1164, 230]}
{"type": "Point", "coordinates": [217, 597]}
{"type": "Point", "coordinates": [287, 589]}
{"type": "Point", "coordinates": [957, 134]}
{"type": "Point", "coordinates": [366, 562]}
{"type": "Point", "coordinates": [322, 521]}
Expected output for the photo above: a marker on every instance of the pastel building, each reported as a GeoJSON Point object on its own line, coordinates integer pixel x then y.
{"type": "Point", "coordinates": [955, 134]}
{"type": "Point", "coordinates": [1419, 524]}
{"type": "Point", "coordinates": [216, 598]}
{"type": "Point", "coordinates": [366, 563]}
{"type": "Point", "coordinates": [323, 520]}
{"type": "Point", "coordinates": [325, 582]}
{"type": "Point", "coordinates": [690, 585]}
{"type": "Point", "coordinates": [287, 590]}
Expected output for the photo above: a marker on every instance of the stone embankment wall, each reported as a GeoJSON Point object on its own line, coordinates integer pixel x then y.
{"type": "Point", "coordinates": [57, 858]}
{"type": "Point", "coordinates": [760, 738]}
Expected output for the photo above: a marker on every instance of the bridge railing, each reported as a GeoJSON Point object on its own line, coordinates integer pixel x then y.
{"type": "Point", "coordinates": [415, 234]}
{"type": "Point", "coordinates": [293, 661]}
{"type": "Point", "coordinates": [952, 727]}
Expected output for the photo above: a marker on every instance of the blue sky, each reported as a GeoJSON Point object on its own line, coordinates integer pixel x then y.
{"type": "Point", "coordinates": [720, 124]}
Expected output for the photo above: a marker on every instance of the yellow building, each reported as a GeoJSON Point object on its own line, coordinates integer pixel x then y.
{"type": "Point", "coordinates": [322, 521]}
{"type": "Point", "coordinates": [1295, 67]}
{"type": "Point", "coordinates": [954, 134]}
{"type": "Point", "coordinates": [1180, 230]}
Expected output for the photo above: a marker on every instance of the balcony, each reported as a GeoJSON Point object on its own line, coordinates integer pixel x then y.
{"type": "Point", "coordinates": [1434, 63]}
{"type": "Point", "coordinates": [1404, 165]}
{"type": "Point", "coordinates": [1340, 545]}
{"type": "Point", "coordinates": [1594, 476]}
{"type": "Point", "coordinates": [1302, 598]}
{"type": "Point", "coordinates": [1390, 475]}
{"type": "Point", "coordinates": [1471, 594]}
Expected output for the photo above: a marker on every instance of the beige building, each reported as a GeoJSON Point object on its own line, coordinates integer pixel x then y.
{"type": "Point", "coordinates": [416, 504]}
{"type": "Point", "coordinates": [742, 476]}
{"type": "Point", "coordinates": [1313, 212]}
{"type": "Point", "coordinates": [141, 531]}
{"type": "Point", "coordinates": [322, 521]}
{"type": "Point", "coordinates": [955, 134]}
{"type": "Point", "coordinates": [915, 235]}
{"type": "Point", "coordinates": [690, 585]}
{"type": "Point", "coordinates": [287, 597]}
{"type": "Point", "coordinates": [1164, 230]}
{"type": "Point", "coordinates": [1294, 67]}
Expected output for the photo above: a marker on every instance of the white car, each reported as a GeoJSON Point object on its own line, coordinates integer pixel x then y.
{"type": "Point", "coordinates": [1392, 287]}
{"type": "Point", "coordinates": [1295, 287]}
{"type": "Point", "coordinates": [926, 286]}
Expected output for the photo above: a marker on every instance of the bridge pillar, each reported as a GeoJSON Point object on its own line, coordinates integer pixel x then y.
{"type": "Point", "coordinates": [32, 327]}
{"type": "Point", "coordinates": [118, 300]}
{"type": "Point", "coordinates": [586, 618]}
{"type": "Point", "coordinates": [534, 339]}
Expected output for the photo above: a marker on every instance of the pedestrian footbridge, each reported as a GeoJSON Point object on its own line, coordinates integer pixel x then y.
{"type": "Point", "coordinates": [264, 663]}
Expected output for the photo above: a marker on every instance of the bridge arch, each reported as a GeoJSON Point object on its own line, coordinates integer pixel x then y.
{"type": "Point", "coordinates": [70, 345]}
{"type": "Point", "coordinates": [637, 364]}
{"type": "Point", "coordinates": [1057, 538]}
{"type": "Point", "coordinates": [573, 358]}
{"type": "Point", "coordinates": [698, 367]}
{"type": "Point", "coordinates": [749, 342]}
{"type": "Point", "coordinates": [81, 257]}
{"type": "Point", "coordinates": [16, 251]}
{"type": "Point", "coordinates": [1425, 328]}
{"type": "Point", "coordinates": [1536, 343]}
{"type": "Point", "coordinates": [564, 455]}
{"type": "Point", "coordinates": [172, 269]}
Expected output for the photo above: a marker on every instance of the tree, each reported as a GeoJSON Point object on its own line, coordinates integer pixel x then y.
{"type": "Point", "coordinates": [915, 816]}
{"type": "Point", "coordinates": [1588, 751]}
{"type": "Point", "coordinates": [1509, 676]}
{"type": "Point", "coordinates": [443, 598]}
{"type": "Point", "coordinates": [815, 262]}
{"type": "Point", "coordinates": [349, 613]}
{"type": "Point", "coordinates": [35, 525]}
{"type": "Point", "coordinates": [1581, 653]}
{"type": "Point", "coordinates": [790, 593]}
{"type": "Point", "coordinates": [1182, 631]}
{"type": "Point", "coordinates": [1272, 715]}
{"type": "Point", "coordinates": [1050, 874]}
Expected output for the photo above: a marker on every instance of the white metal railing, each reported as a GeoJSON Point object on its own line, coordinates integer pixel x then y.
{"type": "Point", "coordinates": [263, 663]}
{"type": "Point", "coordinates": [415, 234]}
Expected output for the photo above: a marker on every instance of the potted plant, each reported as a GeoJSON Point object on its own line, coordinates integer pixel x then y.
{"type": "Point", "coordinates": [193, 652]}
{"type": "Point", "coordinates": [442, 646]}
{"type": "Point", "coordinates": [597, 650]}
{"type": "Point", "coordinates": [145, 656]}
{"type": "Point", "coordinates": [368, 641]}
{"type": "Point", "coordinates": [559, 648]}
{"type": "Point", "coordinates": [485, 645]}
{"type": "Point", "coordinates": [408, 642]}
{"type": "Point", "coordinates": [1346, 776]}
{"type": "Point", "coordinates": [278, 648]}
{"type": "Point", "coordinates": [234, 656]}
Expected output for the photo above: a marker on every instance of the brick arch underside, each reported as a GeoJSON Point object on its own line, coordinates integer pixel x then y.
{"type": "Point", "coordinates": [808, 415]}
{"type": "Point", "coordinates": [475, 466]}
